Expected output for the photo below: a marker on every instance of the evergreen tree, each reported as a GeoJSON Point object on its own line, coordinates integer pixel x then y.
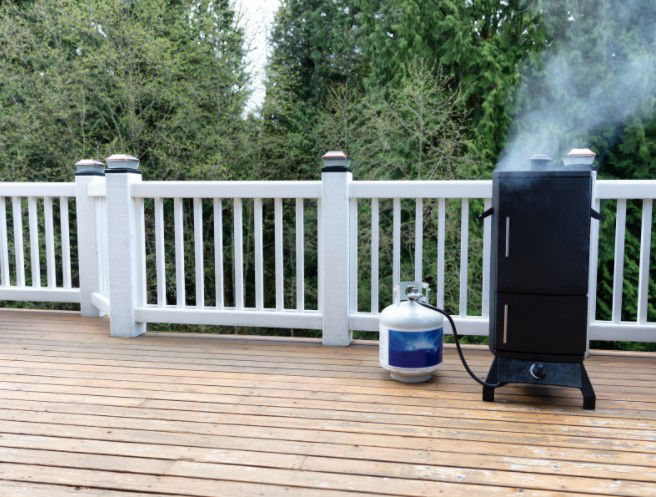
{"type": "Point", "coordinates": [313, 50]}
{"type": "Point", "coordinates": [477, 44]}
{"type": "Point", "coordinates": [162, 80]}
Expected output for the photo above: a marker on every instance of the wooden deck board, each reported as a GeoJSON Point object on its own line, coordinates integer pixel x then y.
{"type": "Point", "coordinates": [84, 414]}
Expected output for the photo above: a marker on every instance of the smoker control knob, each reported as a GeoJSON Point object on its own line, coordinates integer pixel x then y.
{"type": "Point", "coordinates": [538, 371]}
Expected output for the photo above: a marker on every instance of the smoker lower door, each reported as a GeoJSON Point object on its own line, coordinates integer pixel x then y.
{"type": "Point", "coordinates": [545, 324]}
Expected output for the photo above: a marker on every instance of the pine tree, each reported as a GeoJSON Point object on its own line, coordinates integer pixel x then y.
{"type": "Point", "coordinates": [478, 45]}
{"type": "Point", "coordinates": [162, 80]}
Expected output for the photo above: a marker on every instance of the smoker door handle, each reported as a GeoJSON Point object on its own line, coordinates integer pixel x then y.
{"type": "Point", "coordinates": [485, 214]}
{"type": "Point", "coordinates": [596, 215]}
{"type": "Point", "coordinates": [507, 236]}
{"type": "Point", "coordinates": [505, 324]}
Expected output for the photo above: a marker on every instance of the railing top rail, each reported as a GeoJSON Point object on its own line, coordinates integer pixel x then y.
{"type": "Point", "coordinates": [37, 189]}
{"type": "Point", "coordinates": [227, 189]}
{"type": "Point", "coordinates": [623, 188]}
{"type": "Point", "coordinates": [606, 189]}
{"type": "Point", "coordinates": [422, 189]}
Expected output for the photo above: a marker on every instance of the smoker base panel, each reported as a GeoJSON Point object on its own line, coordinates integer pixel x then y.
{"type": "Point", "coordinates": [565, 374]}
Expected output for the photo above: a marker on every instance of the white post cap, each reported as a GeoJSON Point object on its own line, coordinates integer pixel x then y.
{"type": "Point", "coordinates": [335, 161]}
{"type": "Point", "coordinates": [579, 157]}
{"type": "Point", "coordinates": [89, 167]}
{"type": "Point", "coordinates": [122, 163]}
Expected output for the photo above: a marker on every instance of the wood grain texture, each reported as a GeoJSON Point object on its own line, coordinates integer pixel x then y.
{"type": "Point", "coordinates": [85, 414]}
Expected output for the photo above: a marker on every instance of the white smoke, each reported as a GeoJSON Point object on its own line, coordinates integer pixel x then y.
{"type": "Point", "coordinates": [589, 83]}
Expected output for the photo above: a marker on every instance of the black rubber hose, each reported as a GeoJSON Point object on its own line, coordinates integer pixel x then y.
{"type": "Point", "coordinates": [457, 340]}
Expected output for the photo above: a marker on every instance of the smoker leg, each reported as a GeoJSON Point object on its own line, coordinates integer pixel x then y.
{"type": "Point", "coordinates": [589, 397]}
{"type": "Point", "coordinates": [488, 393]}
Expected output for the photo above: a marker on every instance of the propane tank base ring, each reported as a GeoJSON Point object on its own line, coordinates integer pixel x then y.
{"type": "Point", "coordinates": [411, 379]}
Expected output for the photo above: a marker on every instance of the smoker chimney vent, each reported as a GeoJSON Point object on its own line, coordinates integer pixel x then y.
{"type": "Point", "coordinates": [540, 161]}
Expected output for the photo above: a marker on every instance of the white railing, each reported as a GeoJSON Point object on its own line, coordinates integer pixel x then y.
{"type": "Point", "coordinates": [135, 253]}
{"type": "Point", "coordinates": [616, 329]}
{"type": "Point", "coordinates": [219, 195]}
{"type": "Point", "coordinates": [41, 199]}
{"type": "Point", "coordinates": [421, 191]}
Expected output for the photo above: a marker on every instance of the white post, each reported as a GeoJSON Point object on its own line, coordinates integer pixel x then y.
{"type": "Point", "coordinates": [125, 262]}
{"type": "Point", "coordinates": [88, 171]}
{"type": "Point", "coordinates": [335, 183]}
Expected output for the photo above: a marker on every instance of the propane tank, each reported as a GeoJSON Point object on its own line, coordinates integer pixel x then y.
{"type": "Point", "coordinates": [410, 335]}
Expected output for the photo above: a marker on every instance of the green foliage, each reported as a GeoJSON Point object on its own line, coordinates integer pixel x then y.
{"type": "Point", "coordinates": [161, 80]}
{"type": "Point", "coordinates": [314, 41]}
{"type": "Point", "coordinates": [408, 132]}
{"type": "Point", "coordinates": [411, 131]}
{"type": "Point", "coordinates": [477, 45]}
{"type": "Point", "coordinates": [313, 50]}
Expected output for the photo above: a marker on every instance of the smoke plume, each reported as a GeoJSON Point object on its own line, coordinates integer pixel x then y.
{"type": "Point", "coordinates": [598, 77]}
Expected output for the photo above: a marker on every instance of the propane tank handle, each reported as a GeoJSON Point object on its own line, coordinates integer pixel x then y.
{"type": "Point", "coordinates": [417, 289]}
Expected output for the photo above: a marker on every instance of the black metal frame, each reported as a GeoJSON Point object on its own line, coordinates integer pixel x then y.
{"type": "Point", "coordinates": [506, 370]}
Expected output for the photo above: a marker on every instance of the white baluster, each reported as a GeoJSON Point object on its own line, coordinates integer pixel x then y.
{"type": "Point", "coordinates": [198, 253]}
{"type": "Point", "coordinates": [4, 245]}
{"type": "Point", "coordinates": [238, 253]}
{"type": "Point", "coordinates": [300, 256]}
{"type": "Point", "coordinates": [441, 235]}
{"type": "Point", "coordinates": [618, 267]}
{"type": "Point", "coordinates": [280, 290]}
{"type": "Point", "coordinates": [34, 241]}
{"type": "Point", "coordinates": [375, 227]}
{"type": "Point", "coordinates": [160, 252]}
{"type": "Point", "coordinates": [464, 255]}
{"type": "Point", "coordinates": [217, 206]}
{"type": "Point", "coordinates": [140, 225]}
{"type": "Point", "coordinates": [17, 213]}
{"type": "Point", "coordinates": [178, 228]}
{"type": "Point", "coordinates": [419, 239]}
{"type": "Point", "coordinates": [396, 242]}
{"type": "Point", "coordinates": [645, 246]}
{"type": "Point", "coordinates": [50, 243]}
{"type": "Point", "coordinates": [65, 241]}
{"type": "Point", "coordinates": [353, 255]}
{"type": "Point", "coordinates": [487, 237]}
{"type": "Point", "coordinates": [259, 254]}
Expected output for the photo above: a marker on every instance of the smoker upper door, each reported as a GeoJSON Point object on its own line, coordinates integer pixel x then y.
{"type": "Point", "coordinates": [542, 234]}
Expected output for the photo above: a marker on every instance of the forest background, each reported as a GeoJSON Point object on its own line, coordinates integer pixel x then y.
{"type": "Point", "coordinates": [410, 89]}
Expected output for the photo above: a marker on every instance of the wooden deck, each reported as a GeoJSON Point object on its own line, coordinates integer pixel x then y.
{"type": "Point", "coordinates": [84, 414]}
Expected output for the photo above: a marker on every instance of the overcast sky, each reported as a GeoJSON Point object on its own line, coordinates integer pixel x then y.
{"type": "Point", "coordinates": [257, 19]}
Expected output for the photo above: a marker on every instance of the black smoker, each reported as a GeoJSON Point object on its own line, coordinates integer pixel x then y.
{"type": "Point", "coordinates": [539, 275]}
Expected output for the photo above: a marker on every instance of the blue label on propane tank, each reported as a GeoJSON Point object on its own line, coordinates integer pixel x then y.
{"type": "Point", "coordinates": [415, 349]}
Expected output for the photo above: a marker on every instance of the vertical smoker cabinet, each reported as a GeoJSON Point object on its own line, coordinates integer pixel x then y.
{"type": "Point", "coordinates": [540, 257]}
{"type": "Point", "coordinates": [539, 275]}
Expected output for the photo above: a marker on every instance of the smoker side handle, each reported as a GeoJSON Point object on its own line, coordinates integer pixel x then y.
{"type": "Point", "coordinates": [597, 215]}
{"type": "Point", "coordinates": [487, 213]}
